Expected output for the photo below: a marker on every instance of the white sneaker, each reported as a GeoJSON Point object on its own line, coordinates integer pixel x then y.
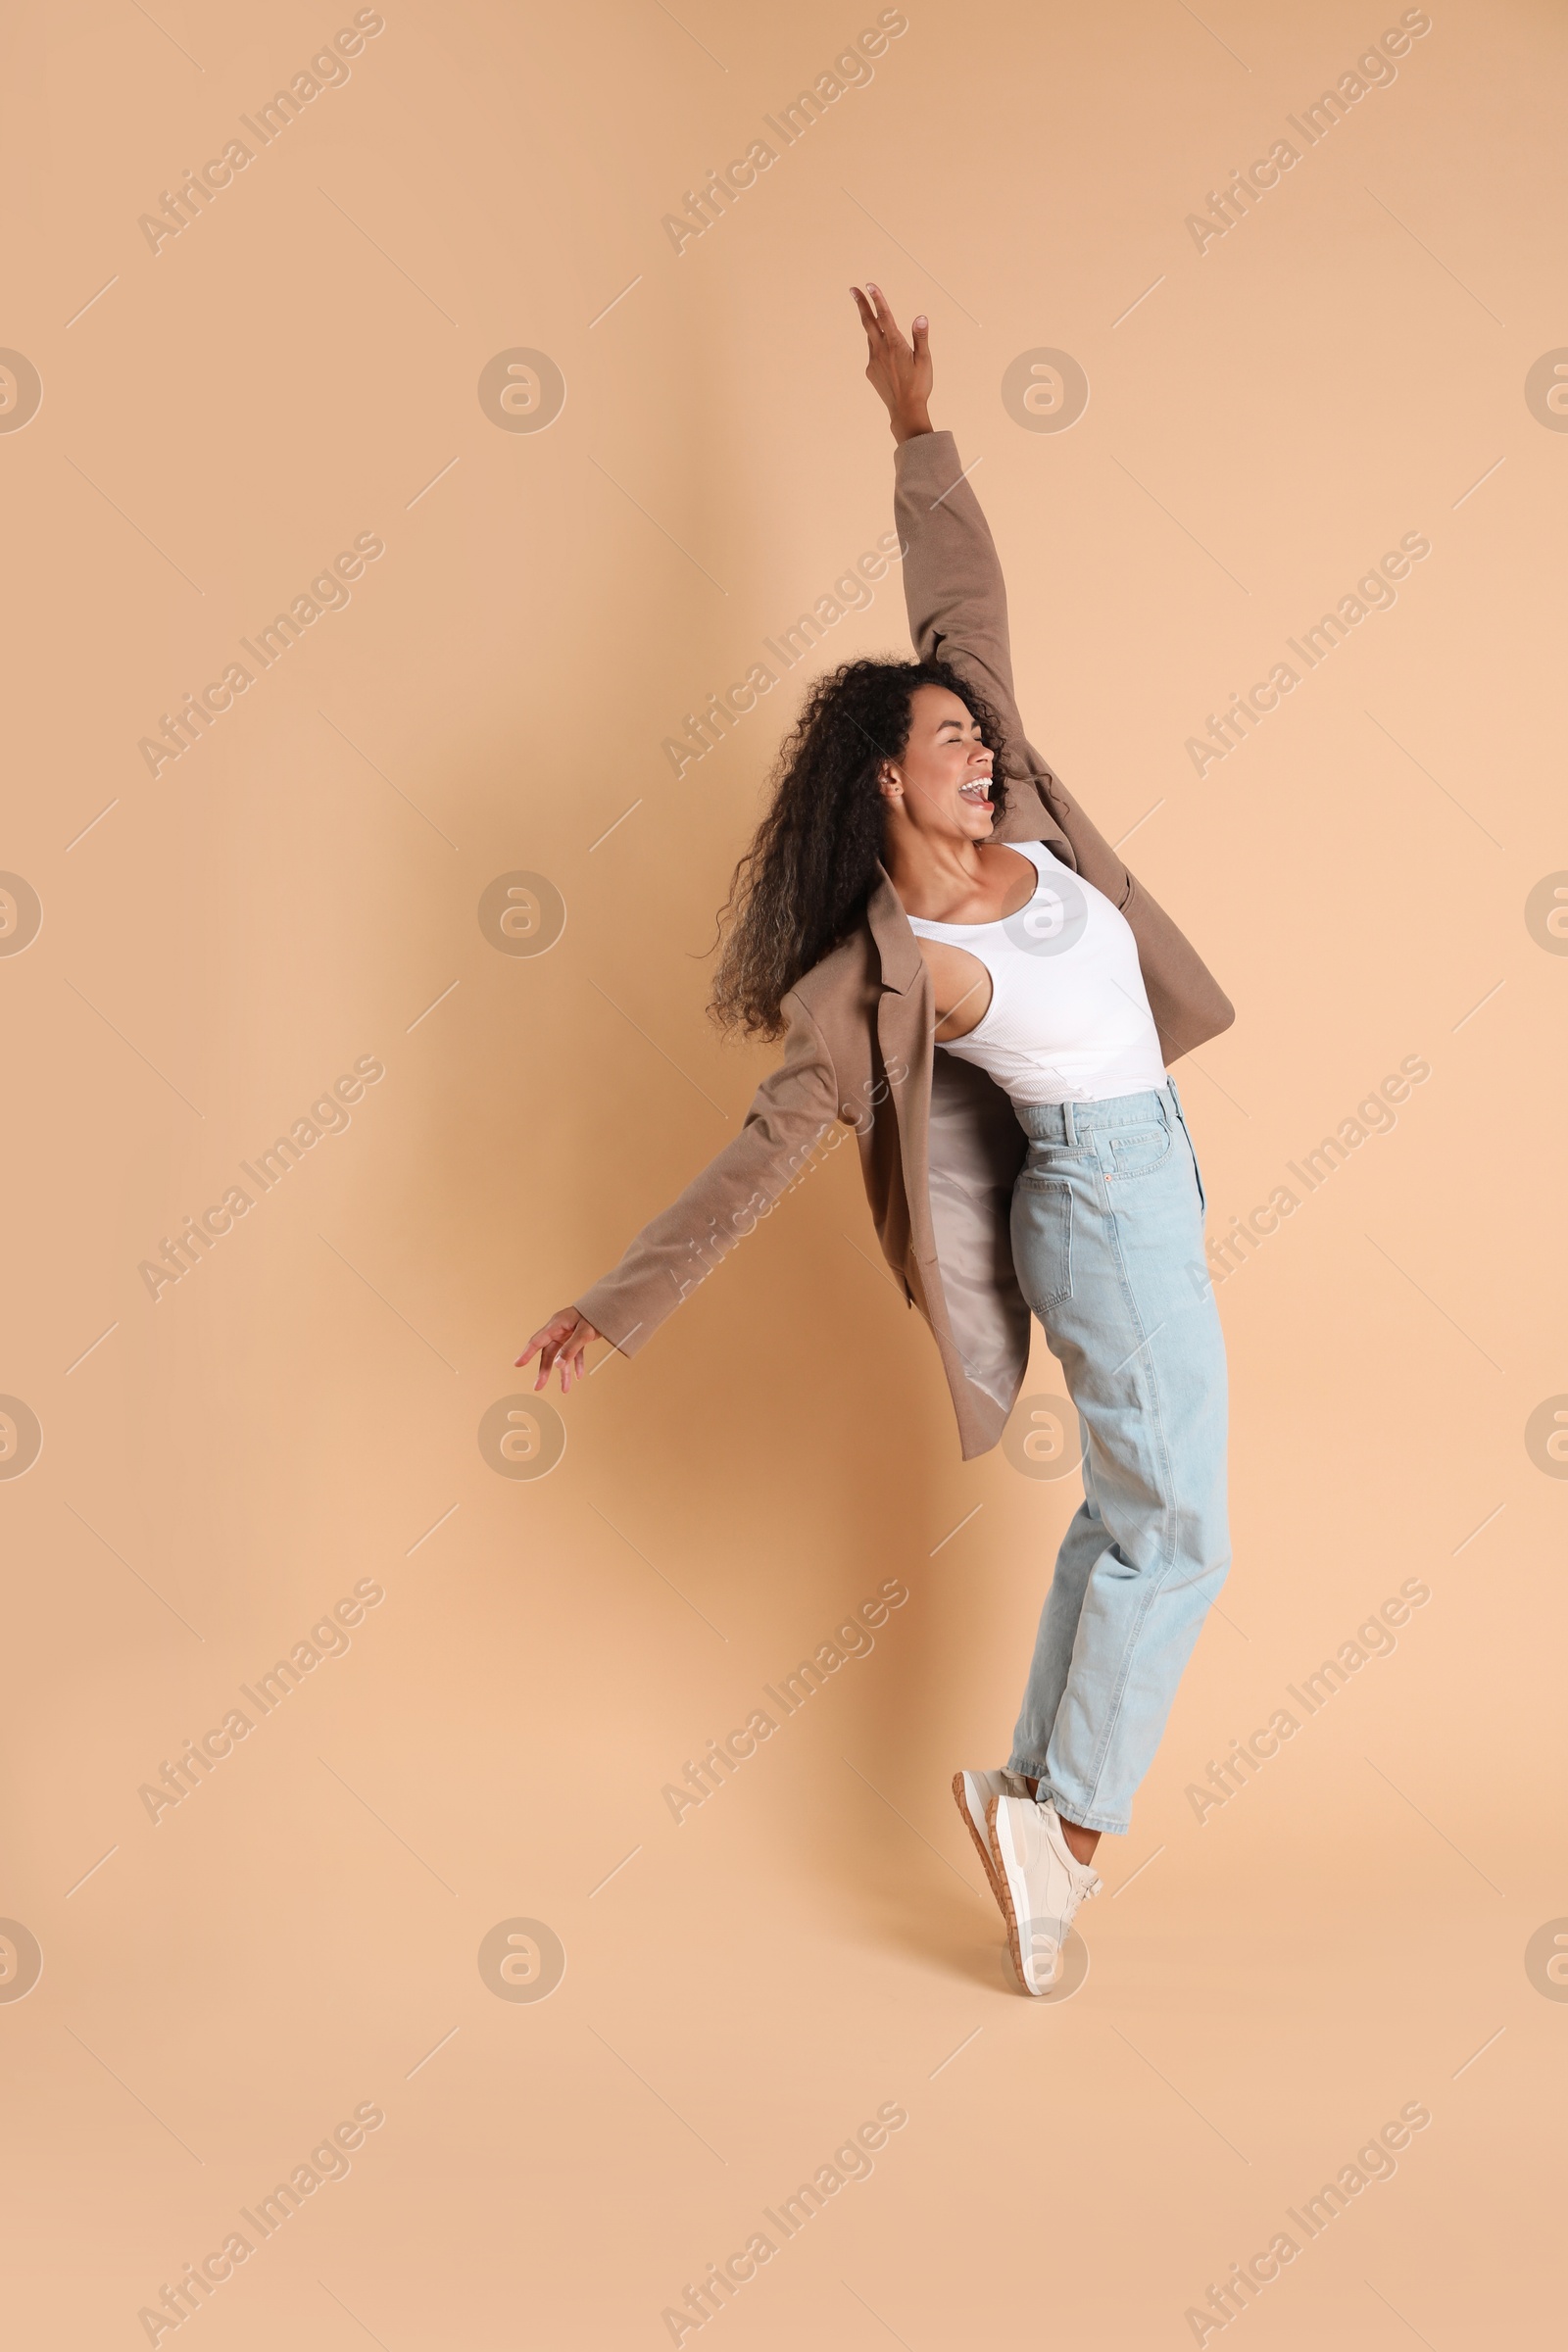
{"type": "Point", "coordinates": [973, 1793]}
{"type": "Point", "coordinates": [1041, 1884]}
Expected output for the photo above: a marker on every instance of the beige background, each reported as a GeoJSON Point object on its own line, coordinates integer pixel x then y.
{"type": "Point", "coordinates": [219, 943]}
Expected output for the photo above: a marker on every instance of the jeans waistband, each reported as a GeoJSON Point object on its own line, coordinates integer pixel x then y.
{"type": "Point", "coordinates": [1070, 1122]}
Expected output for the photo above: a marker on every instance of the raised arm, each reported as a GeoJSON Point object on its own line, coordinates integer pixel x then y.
{"type": "Point", "coordinates": [953, 583]}
{"type": "Point", "coordinates": [956, 597]}
{"type": "Point", "coordinates": [958, 605]}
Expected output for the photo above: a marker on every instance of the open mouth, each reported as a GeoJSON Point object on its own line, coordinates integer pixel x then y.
{"type": "Point", "coordinates": [977, 793]}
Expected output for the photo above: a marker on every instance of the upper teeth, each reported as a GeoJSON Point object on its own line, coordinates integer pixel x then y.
{"type": "Point", "coordinates": [982, 786]}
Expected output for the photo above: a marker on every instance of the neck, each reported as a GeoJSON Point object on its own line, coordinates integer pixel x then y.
{"type": "Point", "coordinates": [929, 871]}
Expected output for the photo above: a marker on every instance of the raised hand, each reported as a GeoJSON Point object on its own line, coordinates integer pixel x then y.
{"type": "Point", "coordinates": [900, 372]}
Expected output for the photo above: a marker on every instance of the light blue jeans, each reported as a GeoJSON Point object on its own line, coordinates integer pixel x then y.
{"type": "Point", "coordinates": [1108, 1240]}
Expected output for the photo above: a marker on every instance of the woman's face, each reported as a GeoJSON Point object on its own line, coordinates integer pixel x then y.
{"type": "Point", "coordinates": [941, 783]}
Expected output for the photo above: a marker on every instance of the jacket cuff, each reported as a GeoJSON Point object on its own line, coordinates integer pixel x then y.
{"type": "Point", "coordinates": [608, 1319]}
{"type": "Point", "coordinates": [924, 457]}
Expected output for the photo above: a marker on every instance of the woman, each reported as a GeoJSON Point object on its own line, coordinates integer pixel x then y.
{"type": "Point", "coordinates": [921, 880]}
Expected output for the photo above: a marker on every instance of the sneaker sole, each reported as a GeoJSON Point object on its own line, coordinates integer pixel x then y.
{"type": "Point", "coordinates": [1009, 1910]}
{"type": "Point", "coordinates": [961, 1800]}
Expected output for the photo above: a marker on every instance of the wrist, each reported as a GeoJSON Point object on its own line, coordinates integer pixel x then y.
{"type": "Point", "coordinates": [909, 423]}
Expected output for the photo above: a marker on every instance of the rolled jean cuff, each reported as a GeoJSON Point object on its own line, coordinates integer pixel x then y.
{"type": "Point", "coordinates": [1081, 1817]}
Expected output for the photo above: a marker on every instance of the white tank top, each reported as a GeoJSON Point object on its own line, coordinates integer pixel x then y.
{"type": "Point", "coordinates": [1068, 1018]}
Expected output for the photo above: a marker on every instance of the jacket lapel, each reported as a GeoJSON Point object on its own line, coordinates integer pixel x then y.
{"type": "Point", "coordinates": [906, 1024]}
{"type": "Point", "coordinates": [997, 1348]}
{"type": "Point", "coordinates": [904, 1028]}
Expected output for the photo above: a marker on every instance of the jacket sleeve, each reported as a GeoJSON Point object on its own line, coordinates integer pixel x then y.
{"type": "Point", "coordinates": [792, 1114]}
{"type": "Point", "coordinates": [958, 605]}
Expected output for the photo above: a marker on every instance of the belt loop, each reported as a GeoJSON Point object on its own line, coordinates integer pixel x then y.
{"type": "Point", "coordinates": [1070, 1132]}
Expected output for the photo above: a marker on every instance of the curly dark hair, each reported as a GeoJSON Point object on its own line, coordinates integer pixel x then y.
{"type": "Point", "coordinates": [803, 883]}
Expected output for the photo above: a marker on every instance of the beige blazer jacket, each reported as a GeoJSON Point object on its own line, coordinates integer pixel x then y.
{"type": "Point", "coordinates": [940, 1146]}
